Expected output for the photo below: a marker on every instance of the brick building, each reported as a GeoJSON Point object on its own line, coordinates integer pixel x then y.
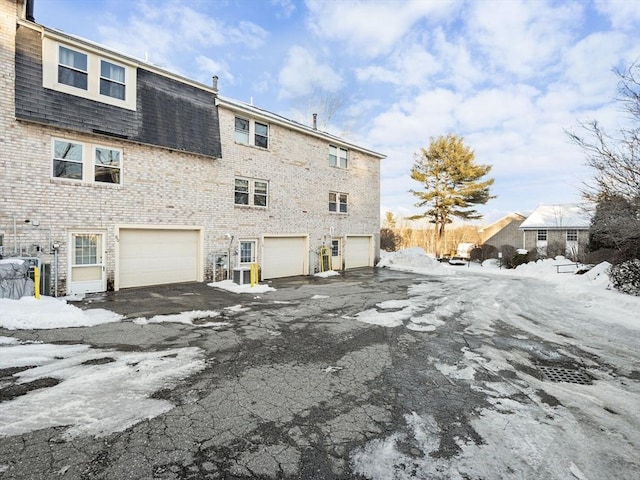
{"type": "Point", "coordinates": [117, 174]}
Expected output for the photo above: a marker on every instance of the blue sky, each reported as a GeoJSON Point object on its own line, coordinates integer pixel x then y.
{"type": "Point", "coordinates": [508, 76]}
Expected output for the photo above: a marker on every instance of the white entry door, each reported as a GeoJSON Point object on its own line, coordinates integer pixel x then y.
{"type": "Point", "coordinates": [87, 273]}
{"type": "Point", "coordinates": [336, 254]}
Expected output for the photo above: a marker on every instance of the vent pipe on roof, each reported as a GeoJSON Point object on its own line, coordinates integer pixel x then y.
{"type": "Point", "coordinates": [214, 83]}
{"type": "Point", "coordinates": [315, 121]}
{"type": "Point", "coordinates": [29, 10]}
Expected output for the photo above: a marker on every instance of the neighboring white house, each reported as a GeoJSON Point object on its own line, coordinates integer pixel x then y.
{"type": "Point", "coordinates": [116, 173]}
{"type": "Point", "coordinates": [557, 229]}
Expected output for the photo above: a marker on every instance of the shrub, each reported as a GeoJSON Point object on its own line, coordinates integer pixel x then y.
{"type": "Point", "coordinates": [508, 252]}
{"type": "Point", "coordinates": [625, 277]}
{"type": "Point", "coordinates": [519, 259]}
{"type": "Point", "coordinates": [389, 240]}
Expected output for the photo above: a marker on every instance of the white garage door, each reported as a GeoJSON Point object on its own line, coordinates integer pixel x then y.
{"type": "Point", "coordinates": [284, 257]}
{"type": "Point", "coordinates": [358, 252]}
{"type": "Point", "coordinates": [154, 257]}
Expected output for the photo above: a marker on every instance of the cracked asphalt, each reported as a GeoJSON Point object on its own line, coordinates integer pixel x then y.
{"type": "Point", "coordinates": [295, 384]}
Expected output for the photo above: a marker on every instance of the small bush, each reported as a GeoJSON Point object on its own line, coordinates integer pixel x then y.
{"type": "Point", "coordinates": [519, 259]}
{"type": "Point", "coordinates": [389, 240]}
{"type": "Point", "coordinates": [625, 277]}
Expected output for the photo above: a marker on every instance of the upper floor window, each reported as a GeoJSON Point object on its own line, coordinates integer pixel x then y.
{"type": "Point", "coordinates": [262, 135]}
{"type": "Point", "coordinates": [572, 235]}
{"type": "Point", "coordinates": [112, 81]}
{"type": "Point", "coordinates": [338, 202]}
{"type": "Point", "coordinates": [242, 130]}
{"type": "Point", "coordinates": [87, 72]}
{"type": "Point", "coordinates": [337, 157]}
{"type": "Point", "coordinates": [86, 162]}
{"type": "Point", "coordinates": [251, 192]}
{"type": "Point", "coordinates": [72, 68]}
{"type": "Point", "coordinates": [247, 129]}
{"type": "Point", "coordinates": [542, 235]}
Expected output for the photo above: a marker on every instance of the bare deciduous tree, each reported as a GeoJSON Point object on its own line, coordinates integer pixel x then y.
{"type": "Point", "coordinates": [614, 160]}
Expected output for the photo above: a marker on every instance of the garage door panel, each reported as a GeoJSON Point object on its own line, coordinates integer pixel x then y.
{"type": "Point", "coordinates": [358, 252]}
{"type": "Point", "coordinates": [284, 257]}
{"type": "Point", "coordinates": [157, 256]}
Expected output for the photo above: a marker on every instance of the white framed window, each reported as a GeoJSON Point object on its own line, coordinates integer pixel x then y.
{"type": "Point", "coordinates": [242, 130]}
{"type": "Point", "coordinates": [261, 135]}
{"type": "Point", "coordinates": [338, 202]}
{"type": "Point", "coordinates": [72, 68]}
{"type": "Point", "coordinates": [246, 252]}
{"type": "Point", "coordinates": [68, 159]}
{"type": "Point", "coordinates": [337, 157]}
{"type": "Point", "coordinates": [107, 164]}
{"type": "Point", "coordinates": [542, 235]}
{"type": "Point", "coordinates": [112, 80]}
{"type": "Point", "coordinates": [87, 72]}
{"type": "Point", "coordinates": [85, 162]}
{"type": "Point", "coordinates": [250, 132]}
{"type": "Point", "coordinates": [251, 192]}
{"type": "Point", "coordinates": [572, 235]}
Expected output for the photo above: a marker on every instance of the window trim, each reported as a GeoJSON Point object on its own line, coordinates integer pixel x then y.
{"type": "Point", "coordinates": [87, 163]}
{"type": "Point", "coordinates": [253, 251]}
{"type": "Point", "coordinates": [252, 133]}
{"type": "Point", "coordinates": [339, 204]}
{"type": "Point", "coordinates": [251, 192]}
{"type": "Point", "coordinates": [51, 61]}
{"type": "Point", "coordinates": [540, 233]}
{"type": "Point", "coordinates": [574, 233]}
{"type": "Point", "coordinates": [336, 160]}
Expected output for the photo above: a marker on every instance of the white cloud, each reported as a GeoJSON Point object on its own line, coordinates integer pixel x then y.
{"type": "Point", "coordinates": [522, 38]}
{"type": "Point", "coordinates": [287, 7]}
{"type": "Point", "coordinates": [210, 67]}
{"type": "Point", "coordinates": [370, 28]}
{"type": "Point", "coordinates": [413, 66]}
{"type": "Point", "coordinates": [165, 31]}
{"type": "Point", "coordinates": [623, 14]}
{"type": "Point", "coordinates": [303, 73]}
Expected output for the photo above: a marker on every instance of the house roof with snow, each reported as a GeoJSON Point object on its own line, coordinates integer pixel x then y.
{"type": "Point", "coordinates": [558, 217]}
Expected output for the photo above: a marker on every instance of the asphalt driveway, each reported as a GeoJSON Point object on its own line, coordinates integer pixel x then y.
{"type": "Point", "coordinates": [296, 386]}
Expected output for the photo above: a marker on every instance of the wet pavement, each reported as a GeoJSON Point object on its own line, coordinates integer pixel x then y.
{"type": "Point", "coordinates": [294, 386]}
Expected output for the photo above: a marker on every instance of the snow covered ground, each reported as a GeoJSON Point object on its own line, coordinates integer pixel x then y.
{"type": "Point", "coordinates": [583, 433]}
{"type": "Point", "coordinates": [111, 389]}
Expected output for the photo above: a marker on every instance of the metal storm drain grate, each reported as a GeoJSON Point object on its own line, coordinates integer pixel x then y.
{"type": "Point", "coordinates": [560, 374]}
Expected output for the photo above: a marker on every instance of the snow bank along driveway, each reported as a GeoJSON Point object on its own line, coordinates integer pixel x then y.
{"type": "Point", "coordinates": [379, 375]}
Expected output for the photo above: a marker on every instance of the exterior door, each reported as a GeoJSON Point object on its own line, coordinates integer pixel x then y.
{"type": "Point", "coordinates": [336, 254]}
{"type": "Point", "coordinates": [87, 273]}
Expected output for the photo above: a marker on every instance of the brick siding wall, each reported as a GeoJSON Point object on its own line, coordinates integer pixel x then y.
{"type": "Point", "coordinates": [167, 187]}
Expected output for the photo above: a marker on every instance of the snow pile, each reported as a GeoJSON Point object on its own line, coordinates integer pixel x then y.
{"type": "Point", "coordinates": [411, 260]}
{"type": "Point", "coordinates": [48, 312]}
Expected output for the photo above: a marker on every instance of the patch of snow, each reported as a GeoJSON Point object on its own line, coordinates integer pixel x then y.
{"type": "Point", "coordinates": [17, 261]}
{"type": "Point", "coordinates": [328, 273]}
{"type": "Point", "coordinates": [92, 399]}
{"type": "Point", "coordinates": [47, 312]}
{"type": "Point", "coordinates": [188, 318]}
{"type": "Point", "coordinates": [230, 286]}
